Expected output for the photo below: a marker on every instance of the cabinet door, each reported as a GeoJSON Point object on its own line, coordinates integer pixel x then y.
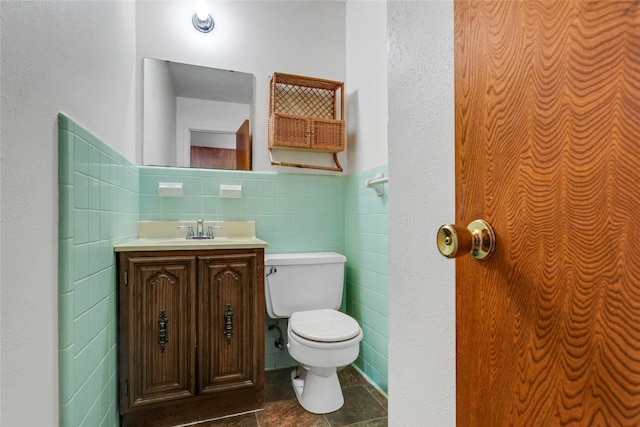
{"type": "Point", "coordinates": [327, 135]}
{"type": "Point", "coordinates": [158, 308]}
{"type": "Point", "coordinates": [287, 131]}
{"type": "Point", "coordinates": [226, 322]}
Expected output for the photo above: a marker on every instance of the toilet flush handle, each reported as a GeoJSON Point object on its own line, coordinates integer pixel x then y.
{"type": "Point", "coordinates": [477, 240]}
{"type": "Point", "coordinates": [272, 270]}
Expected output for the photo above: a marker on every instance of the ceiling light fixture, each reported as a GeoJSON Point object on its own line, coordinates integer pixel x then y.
{"type": "Point", "coordinates": [201, 19]}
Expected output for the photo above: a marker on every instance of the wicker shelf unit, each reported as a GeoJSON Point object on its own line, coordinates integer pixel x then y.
{"type": "Point", "coordinates": [306, 113]}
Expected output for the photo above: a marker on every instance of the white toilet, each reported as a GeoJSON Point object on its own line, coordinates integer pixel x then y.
{"type": "Point", "coordinates": [307, 288]}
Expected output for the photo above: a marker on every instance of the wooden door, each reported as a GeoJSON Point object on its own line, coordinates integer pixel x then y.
{"type": "Point", "coordinates": [157, 315]}
{"type": "Point", "coordinates": [243, 147]}
{"type": "Point", "coordinates": [547, 100]}
{"type": "Point", "coordinates": [227, 332]}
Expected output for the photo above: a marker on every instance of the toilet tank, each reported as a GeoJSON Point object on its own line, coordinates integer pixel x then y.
{"type": "Point", "coordinates": [303, 281]}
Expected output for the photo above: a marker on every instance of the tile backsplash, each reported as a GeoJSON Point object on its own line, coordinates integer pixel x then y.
{"type": "Point", "coordinates": [293, 213]}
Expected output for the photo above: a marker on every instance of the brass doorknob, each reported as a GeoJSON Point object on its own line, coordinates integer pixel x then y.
{"type": "Point", "coordinates": [477, 240]}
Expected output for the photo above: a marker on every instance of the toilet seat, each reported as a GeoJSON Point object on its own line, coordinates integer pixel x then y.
{"type": "Point", "coordinates": [322, 328]}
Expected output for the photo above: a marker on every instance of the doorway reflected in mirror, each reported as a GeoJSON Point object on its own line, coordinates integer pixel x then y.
{"type": "Point", "coordinates": [195, 111]}
{"type": "Point", "coordinates": [221, 150]}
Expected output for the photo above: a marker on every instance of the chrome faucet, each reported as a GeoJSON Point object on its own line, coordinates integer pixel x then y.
{"type": "Point", "coordinates": [199, 233]}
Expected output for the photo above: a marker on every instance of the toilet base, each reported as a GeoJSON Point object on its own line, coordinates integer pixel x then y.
{"type": "Point", "coordinates": [317, 389]}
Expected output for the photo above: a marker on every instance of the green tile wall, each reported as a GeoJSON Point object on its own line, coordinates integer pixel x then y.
{"type": "Point", "coordinates": [367, 278]}
{"type": "Point", "coordinates": [293, 213]}
{"type": "Point", "coordinates": [98, 208]}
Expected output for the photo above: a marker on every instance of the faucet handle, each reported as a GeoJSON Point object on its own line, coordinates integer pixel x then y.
{"type": "Point", "coordinates": [210, 230]}
{"type": "Point", "coordinates": [189, 230]}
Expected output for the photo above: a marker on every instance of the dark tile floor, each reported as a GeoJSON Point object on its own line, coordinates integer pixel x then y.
{"type": "Point", "coordinates": [363, 406]}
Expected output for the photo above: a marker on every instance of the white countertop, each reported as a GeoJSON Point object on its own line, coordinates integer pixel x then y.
{"type": "Point", "coordinates": [165, 236]}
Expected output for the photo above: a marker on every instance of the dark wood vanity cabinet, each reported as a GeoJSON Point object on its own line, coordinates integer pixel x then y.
{"type": "Point", "coordinates": [191, 341]}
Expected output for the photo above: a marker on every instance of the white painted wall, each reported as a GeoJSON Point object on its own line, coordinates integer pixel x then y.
{"type": "Point", "coordinates": [258, 37]}
{"type": "Point", "coordinates": [421, 167]}
{"type": "Point", "coordinates": [366, 84]}
{"type": "Point", "coordinates": [78, 58]}
{"type": "Point", "coordinates": [159, 111]}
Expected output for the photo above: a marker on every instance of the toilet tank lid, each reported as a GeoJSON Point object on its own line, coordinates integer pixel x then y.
{"type": "Point", "coordinates": [304, 258]}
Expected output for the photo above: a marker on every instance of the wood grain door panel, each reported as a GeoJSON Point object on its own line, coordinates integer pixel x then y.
{"type": "Point", "coordinates": [225, 355]}
{"type": "Point", "coordinates": [243, 147]}
{"type": "Point", "coordinates": [547, 122]}
{"type": "Point", "coordinates": [161, 371]}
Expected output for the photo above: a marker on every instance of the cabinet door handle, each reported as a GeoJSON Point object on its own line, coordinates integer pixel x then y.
{"type": "Point", "coordinates": [228, 323]}
{"type": "Point", "coordinates": [163, 339]}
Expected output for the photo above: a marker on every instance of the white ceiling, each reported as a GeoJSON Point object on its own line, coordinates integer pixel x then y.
{"type": "Point", "coordinates": [192, 81]}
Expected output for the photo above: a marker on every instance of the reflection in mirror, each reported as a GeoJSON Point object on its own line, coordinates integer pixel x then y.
{"type": "Point", "coordinates": [196, 116]}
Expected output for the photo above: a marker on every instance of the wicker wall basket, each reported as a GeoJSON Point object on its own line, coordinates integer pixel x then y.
{"type": "Point", "coordinates": [306, 114]}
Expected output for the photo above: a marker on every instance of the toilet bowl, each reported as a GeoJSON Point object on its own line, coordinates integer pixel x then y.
{"type": "Point", "coordinates": [307, 289]}
{"type": "Point", "coordinates": [321, 341]}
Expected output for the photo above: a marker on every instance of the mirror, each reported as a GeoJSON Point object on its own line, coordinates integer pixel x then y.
{"type": "Point", "coordinates": [196, 116]}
